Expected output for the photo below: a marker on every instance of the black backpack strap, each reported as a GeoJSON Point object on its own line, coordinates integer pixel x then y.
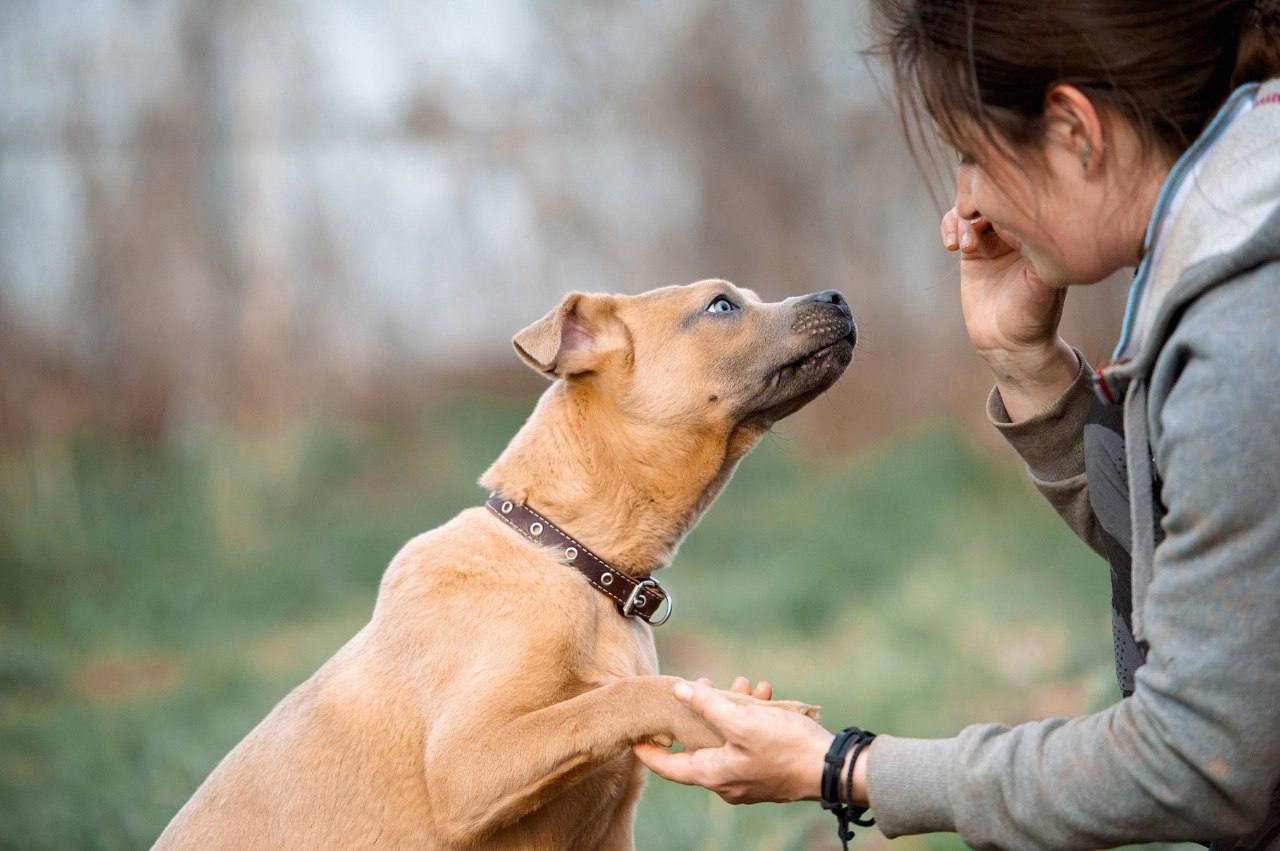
{"type": "Point", "coordinates": [1107, 475]}
{"type": "Point", "coordinates": [1109, 497]}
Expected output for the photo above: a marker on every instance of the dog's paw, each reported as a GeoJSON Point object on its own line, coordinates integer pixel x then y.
{"type": "Point", "coordinates": [693, 732]}
{"type": "Point", "coordinates": [690, 729]}
{"type": "Point", "coordinates": [697, 734]}
{"type": "Point", "coordinates": [814, 712]}
{"type": "Point", "coordinates": [797, 706]}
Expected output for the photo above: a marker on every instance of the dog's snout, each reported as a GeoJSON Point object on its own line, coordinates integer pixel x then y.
{"type": "Point", "coordinates": [833, 297]}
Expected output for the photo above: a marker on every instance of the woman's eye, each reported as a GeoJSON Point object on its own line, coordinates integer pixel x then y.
{"type": "Point", "coordinates": [721, 304]}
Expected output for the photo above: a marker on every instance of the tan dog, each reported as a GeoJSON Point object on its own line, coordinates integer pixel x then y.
{"type": "Point", "coordinates": [493, 696]}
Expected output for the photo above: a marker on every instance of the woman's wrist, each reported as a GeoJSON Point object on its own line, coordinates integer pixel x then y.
{"type": "Point", "coordinates": [809, 765]}
{"type": "Point", "coordinates": [1030, 381]}
{"type": "Point", "coordinates": [860, 796]}
{"type": "Point", "coordinates": [811, 771]}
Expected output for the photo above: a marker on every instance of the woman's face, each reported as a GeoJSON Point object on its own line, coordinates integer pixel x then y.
{"type": "Point", "coordinates": [1075, 219]}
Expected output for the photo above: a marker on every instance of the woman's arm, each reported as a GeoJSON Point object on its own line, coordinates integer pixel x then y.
{"type": "Point", "coordinates": [1042, 394]}
{"type": "Point", "coordinates": [1051, 443]}
{"type": "Point", "coordinates": [1195, 752]}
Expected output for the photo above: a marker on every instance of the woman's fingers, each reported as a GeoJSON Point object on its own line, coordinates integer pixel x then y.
{"type": "Point", "coordinates": [959, 233]}
{"type": "Point", "coordinates": [768, 755]}
{"type": "Point", "coordinates": [672, 766]}
{"type": "Point", "coordinates": [981, 242]}
{"type": "Point", "coordinates": [973, 233]}
{"type": "Point", "coordinates": [951, 230]}
{"type": "Point", "coordinates": [742, 685]}
{"type": "Point", "coordinates": [971, 237]}
{"type": "Point", "coordinates": [707, 767]}
{"type": "Point", "coordinates": [763, 690]}
{"type": "Point", "coordinates": [719, 711]}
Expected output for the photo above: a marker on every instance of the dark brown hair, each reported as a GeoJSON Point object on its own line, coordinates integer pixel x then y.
{"type": "Point", "coordinates": [980, 69]}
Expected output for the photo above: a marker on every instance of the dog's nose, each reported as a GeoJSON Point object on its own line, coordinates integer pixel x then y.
{"type": "Point", "coordinates": [833, 297]}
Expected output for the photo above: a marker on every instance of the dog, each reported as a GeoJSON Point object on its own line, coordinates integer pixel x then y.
{"type": "Point", "coordinates": [492, 698]}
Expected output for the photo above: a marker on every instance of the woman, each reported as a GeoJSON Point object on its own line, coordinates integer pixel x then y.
{"type": "Point", "coordinates": [1094, 136]}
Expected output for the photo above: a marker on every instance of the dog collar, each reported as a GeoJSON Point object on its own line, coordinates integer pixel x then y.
{"type": "Point", "coordinates": [642, 597]}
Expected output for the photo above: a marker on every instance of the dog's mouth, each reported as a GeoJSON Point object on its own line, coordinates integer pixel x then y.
{"type": "Point", "coordinates": [797, 382]}
{"type": "Point", "coordinates": [789, 371]}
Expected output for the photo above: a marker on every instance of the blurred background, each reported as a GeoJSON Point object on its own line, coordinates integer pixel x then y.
{"type": "Point", "coordinates": [260, 263]}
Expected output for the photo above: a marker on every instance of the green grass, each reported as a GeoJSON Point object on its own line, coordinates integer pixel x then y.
{"type": "Point", "coordinates": [156, 601]}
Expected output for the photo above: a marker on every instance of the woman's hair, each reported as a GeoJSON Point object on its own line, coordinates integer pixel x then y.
{"type": "Point", "coordinates": [980, 69]}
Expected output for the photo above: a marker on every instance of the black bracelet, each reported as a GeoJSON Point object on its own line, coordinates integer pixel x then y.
{"type": "Point", "coordinates": [850, 738]}
{"type": "Point", "coordinates": [831, 765]}
{"type": "Point", "coordinates": [862, 739]}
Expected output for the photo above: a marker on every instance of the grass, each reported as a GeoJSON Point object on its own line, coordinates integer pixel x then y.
{"type": "Point", "coordinates": [156, 601]}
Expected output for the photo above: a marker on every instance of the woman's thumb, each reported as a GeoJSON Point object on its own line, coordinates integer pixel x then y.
{"type": "Point", "coordinates": [719, 710]}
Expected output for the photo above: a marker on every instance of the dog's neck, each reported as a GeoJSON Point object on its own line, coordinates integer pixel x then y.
{"type": "Point", "coordinates": [628, 492]}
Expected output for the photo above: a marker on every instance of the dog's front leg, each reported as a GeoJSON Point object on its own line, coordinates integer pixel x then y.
{"type": "Point", "coordinates": [486, 769]}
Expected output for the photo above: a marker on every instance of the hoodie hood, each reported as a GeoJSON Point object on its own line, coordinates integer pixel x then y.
{"type": "Point", "coordinates": [1217, 215]}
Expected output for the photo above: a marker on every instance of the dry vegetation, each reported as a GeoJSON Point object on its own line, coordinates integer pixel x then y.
{"type": "Point", "coordinates": [240, 214]}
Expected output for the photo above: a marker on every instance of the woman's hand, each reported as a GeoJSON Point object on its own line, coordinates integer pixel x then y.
{"type": "Point", "coordinates": [768, 755]}
{"type": "Point", "coordinates": [1011, 315]}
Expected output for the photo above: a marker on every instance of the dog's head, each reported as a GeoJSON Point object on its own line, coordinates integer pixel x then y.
{"type": "Point", "coordinates": [703, 355]}
{"type": "Point", "coordinates": [656, 398]}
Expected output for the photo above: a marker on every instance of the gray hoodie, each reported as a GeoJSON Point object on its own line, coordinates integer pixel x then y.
{"type": "Point", "coordinates": [1194, 753]}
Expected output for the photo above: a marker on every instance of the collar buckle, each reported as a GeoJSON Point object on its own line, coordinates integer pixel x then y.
{"type": "Point", "coordinates": [637, 599]}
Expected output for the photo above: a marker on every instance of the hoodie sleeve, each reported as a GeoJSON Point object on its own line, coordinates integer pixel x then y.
{"type": "Point", "coordinates": [1194, 754]}
{"type": "Point", "coordinates": [1052, 445]}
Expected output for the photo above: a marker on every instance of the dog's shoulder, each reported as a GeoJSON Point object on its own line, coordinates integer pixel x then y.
{"type": "Point", "coordinates": [474, 564]}
{"type": "Point", "coordinates": [470, 548]}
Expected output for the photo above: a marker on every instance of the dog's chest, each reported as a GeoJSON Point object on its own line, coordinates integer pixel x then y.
{"type": "Point", "coordinates": [622, 647]}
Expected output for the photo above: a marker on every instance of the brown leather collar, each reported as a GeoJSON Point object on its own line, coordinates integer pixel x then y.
{"type": "Point", "coordinates": [643, 597]}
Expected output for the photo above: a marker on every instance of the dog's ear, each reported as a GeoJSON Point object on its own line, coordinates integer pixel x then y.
{"type": "Point", "coordinates": [575, 337]}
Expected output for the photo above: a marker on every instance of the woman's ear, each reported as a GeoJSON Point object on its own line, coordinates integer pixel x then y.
{"type": "Point", "coordinates": [1073, 121]}
{"type": "Point", "coordinates": [575, 337]}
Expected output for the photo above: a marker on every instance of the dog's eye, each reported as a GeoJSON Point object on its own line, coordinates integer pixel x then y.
{"type": "Point", "coordinates": [721, 304]}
